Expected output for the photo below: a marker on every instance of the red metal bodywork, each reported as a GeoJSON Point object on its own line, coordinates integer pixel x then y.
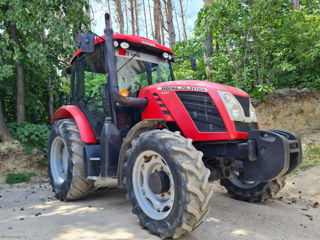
{"type": "Point", "coordinates": [73, 112]}
{"type": "Point", "coordinates": [129, 38]}
{"type": "Point", "coordinates": [179, 114]}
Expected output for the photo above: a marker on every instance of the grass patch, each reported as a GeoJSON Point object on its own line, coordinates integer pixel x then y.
{"type": "Point", "coordinates": [312, 157]}
{"type": "Point", "coordinates": [13, 178]}
{"type": "Point", "coordinates": [43, 162]}
{"type": "Point", "coordinates": [9, 149]}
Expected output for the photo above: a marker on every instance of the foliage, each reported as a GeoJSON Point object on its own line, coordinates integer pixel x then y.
{"type": "Point", "coordinates": [93, 82]}
{"type": "Point", "coordinates": [182, 66]}
{"type": "Point", "coordinates": [312, 156]}
{"type": "Point", "coordinates": [258, 45]}
{"type": "Point", "coordinates": [46, 29]}
{"type": "Point", "coordinates": [13, 178]}
{"type": "Point", "coordinates": [30, 135]}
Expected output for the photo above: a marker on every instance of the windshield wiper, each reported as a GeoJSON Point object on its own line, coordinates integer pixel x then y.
{"type": "Point", "coordinates": [134, 55]}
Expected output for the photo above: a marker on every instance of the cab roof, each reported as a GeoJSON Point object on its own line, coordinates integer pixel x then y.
{"type": "Point", "coordinates": [130, 39]}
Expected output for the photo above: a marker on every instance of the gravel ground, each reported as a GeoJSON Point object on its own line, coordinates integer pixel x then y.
{"type": "Point", "coordinates": [30, 211]}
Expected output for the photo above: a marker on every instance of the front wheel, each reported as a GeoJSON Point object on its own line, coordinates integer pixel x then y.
{"type": "Point", "coordinates": [252, 191]}
{"type": "Point", "coordinates": [167, 183]}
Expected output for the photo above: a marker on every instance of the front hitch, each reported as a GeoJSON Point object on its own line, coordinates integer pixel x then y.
{"type": "Point", "coordinates": [277, 154]}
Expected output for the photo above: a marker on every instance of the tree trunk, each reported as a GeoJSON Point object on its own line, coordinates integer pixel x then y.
{"type": "Point", "coordinates": [87, 12]}
{"type": "Point", "coordinates": [145, 18]}
{"type": "Point", "coordinates": [133, 29]}
{"type": "Point", "coordinates": [209, 50]}
{"type": "Point", "coordinates": [50, 101]}
{"type": "Point", "coordinates": [296, 4]}
{"type": "Point", "coordinates": [136, 10]}
{"type": "Point", "coordinates": [156, 20]}
{"type": "Point", "coordinates": [178, 25]}
{"type": "Point", "coordinates": [5, 135]}
{"type": "Point", "coordinates": [151, 23]}
{"type": "Point", "coordinates": [163, 39]}
{"type": "Point", "coordinates": [170, 25]}
{"type": "Point", "coordinates": [109, 9]}
{"type": "Point", "coordinates": [127, 19]}
{"type": "Point", "coordinates": [120, 16]}
{"type": "Point", "coordinates": [20, 79]}
{"type": "Point", "coordinates": [183, 22]}
{"type": "Point", "coordinates": [50, 104]}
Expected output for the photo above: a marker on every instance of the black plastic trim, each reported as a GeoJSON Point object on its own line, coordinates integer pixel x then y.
{"type": "Point", "coordinates": [245, 126]}
{"type": "Point", "coordinates": [203, 111]}
{"type": "Point", "coordinates": [245, 103]}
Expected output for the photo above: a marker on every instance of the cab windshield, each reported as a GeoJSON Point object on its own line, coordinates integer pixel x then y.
{"type": "Point", "coordinates": [137, 70]}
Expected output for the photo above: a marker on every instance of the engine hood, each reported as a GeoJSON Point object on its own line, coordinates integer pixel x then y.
{"type": "Point", "coordinates": [195, 106]}
{"type": "Point", "coordinates": [196, 86]}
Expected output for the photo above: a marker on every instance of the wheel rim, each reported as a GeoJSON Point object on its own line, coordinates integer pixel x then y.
{"type": "Point", "coordinates": [237, 179]}
{"type": "Point", "coordinates": [156, 206]}
{"type": "Point", "coordinates": [59, 160]}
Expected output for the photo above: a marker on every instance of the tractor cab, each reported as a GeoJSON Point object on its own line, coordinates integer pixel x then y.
{"type": "Point", "coordinates": [139, 62]}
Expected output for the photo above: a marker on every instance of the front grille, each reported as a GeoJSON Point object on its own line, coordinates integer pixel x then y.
{"type": "Point", "coordinates": [244, 126]}
{"type": "Point", "coordinates": [245, 103]}
{"type": "Point", "coordinates": [203, 111]}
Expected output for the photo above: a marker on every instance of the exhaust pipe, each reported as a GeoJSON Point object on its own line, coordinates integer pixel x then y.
{"type": "Point", "coordinates": [110, 65]}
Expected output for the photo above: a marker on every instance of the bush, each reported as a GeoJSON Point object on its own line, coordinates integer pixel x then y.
{"type": "Point", "coordinates": [30, 135]}
{"type": "Point", "coordinates": [13, 178]}
{"type": "Point", "coordinates": [312, 156]}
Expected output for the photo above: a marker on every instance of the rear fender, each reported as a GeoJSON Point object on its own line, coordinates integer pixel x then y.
{"type": "Point", "coordinates": [73, 112]}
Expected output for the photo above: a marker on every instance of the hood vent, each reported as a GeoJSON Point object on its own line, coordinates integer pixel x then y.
{"type": "Point", "coordinates": [203, 111]}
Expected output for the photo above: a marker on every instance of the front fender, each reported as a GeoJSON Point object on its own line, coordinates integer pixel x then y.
{"type": "Point", "coordinates": [73, 112]}
{"type": "Point", "coordinates": [143, 126]}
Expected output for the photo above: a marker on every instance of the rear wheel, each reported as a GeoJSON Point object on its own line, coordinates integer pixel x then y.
{"type": "Point", "coordinates": [65, 161]}
{"type": "Point", "coordinates": [252, 191]}
{"type": "Point", "coordinates": [167, 183]}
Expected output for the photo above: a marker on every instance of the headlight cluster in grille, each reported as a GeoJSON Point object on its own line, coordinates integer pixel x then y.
{"type": "Point", "coordinates": [239, 108]}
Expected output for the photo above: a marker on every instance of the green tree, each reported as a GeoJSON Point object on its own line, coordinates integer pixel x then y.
{"type": "Point", "coordinates": [263, 44]}
{"type": "Point", "coordinates": [35, 36]}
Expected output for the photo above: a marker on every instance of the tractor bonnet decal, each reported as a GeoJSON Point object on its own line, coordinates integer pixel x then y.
{"type": "Point", "coordinates": [182, 88]}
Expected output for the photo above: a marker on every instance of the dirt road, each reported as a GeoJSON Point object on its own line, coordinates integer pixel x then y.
{"type": "Point", "coordinates": [30, 211]}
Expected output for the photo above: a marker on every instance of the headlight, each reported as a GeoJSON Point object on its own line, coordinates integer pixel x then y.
{"type": "Point", "coordinates": [253, 115]}
{"type": "Point", "coordinates": [233, 107]}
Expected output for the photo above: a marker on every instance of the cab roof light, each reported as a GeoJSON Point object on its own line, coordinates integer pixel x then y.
{"type": "Point", "coordinates": [124, 45]}
{"type": "Point", "coordinates": [165, 55]}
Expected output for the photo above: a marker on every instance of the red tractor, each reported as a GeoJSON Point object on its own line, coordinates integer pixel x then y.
{"type": "Point", "coordinates": [164, 140]}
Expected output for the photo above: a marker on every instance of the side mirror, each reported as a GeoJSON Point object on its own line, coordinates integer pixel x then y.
{"type": "Point", "coordinates": [87, 43]}
{"type": "Point", "coordinates": [193, 62]}
{"type": "Point", "coordinates": [69, 70]}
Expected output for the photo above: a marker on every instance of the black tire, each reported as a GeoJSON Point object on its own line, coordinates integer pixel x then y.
{"type": "Point", "coordinates": [253, 191]}
{"type": "Point", "coordinates": [73, 184]}
{"type": "Point", "coordinates": [190, 180]}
